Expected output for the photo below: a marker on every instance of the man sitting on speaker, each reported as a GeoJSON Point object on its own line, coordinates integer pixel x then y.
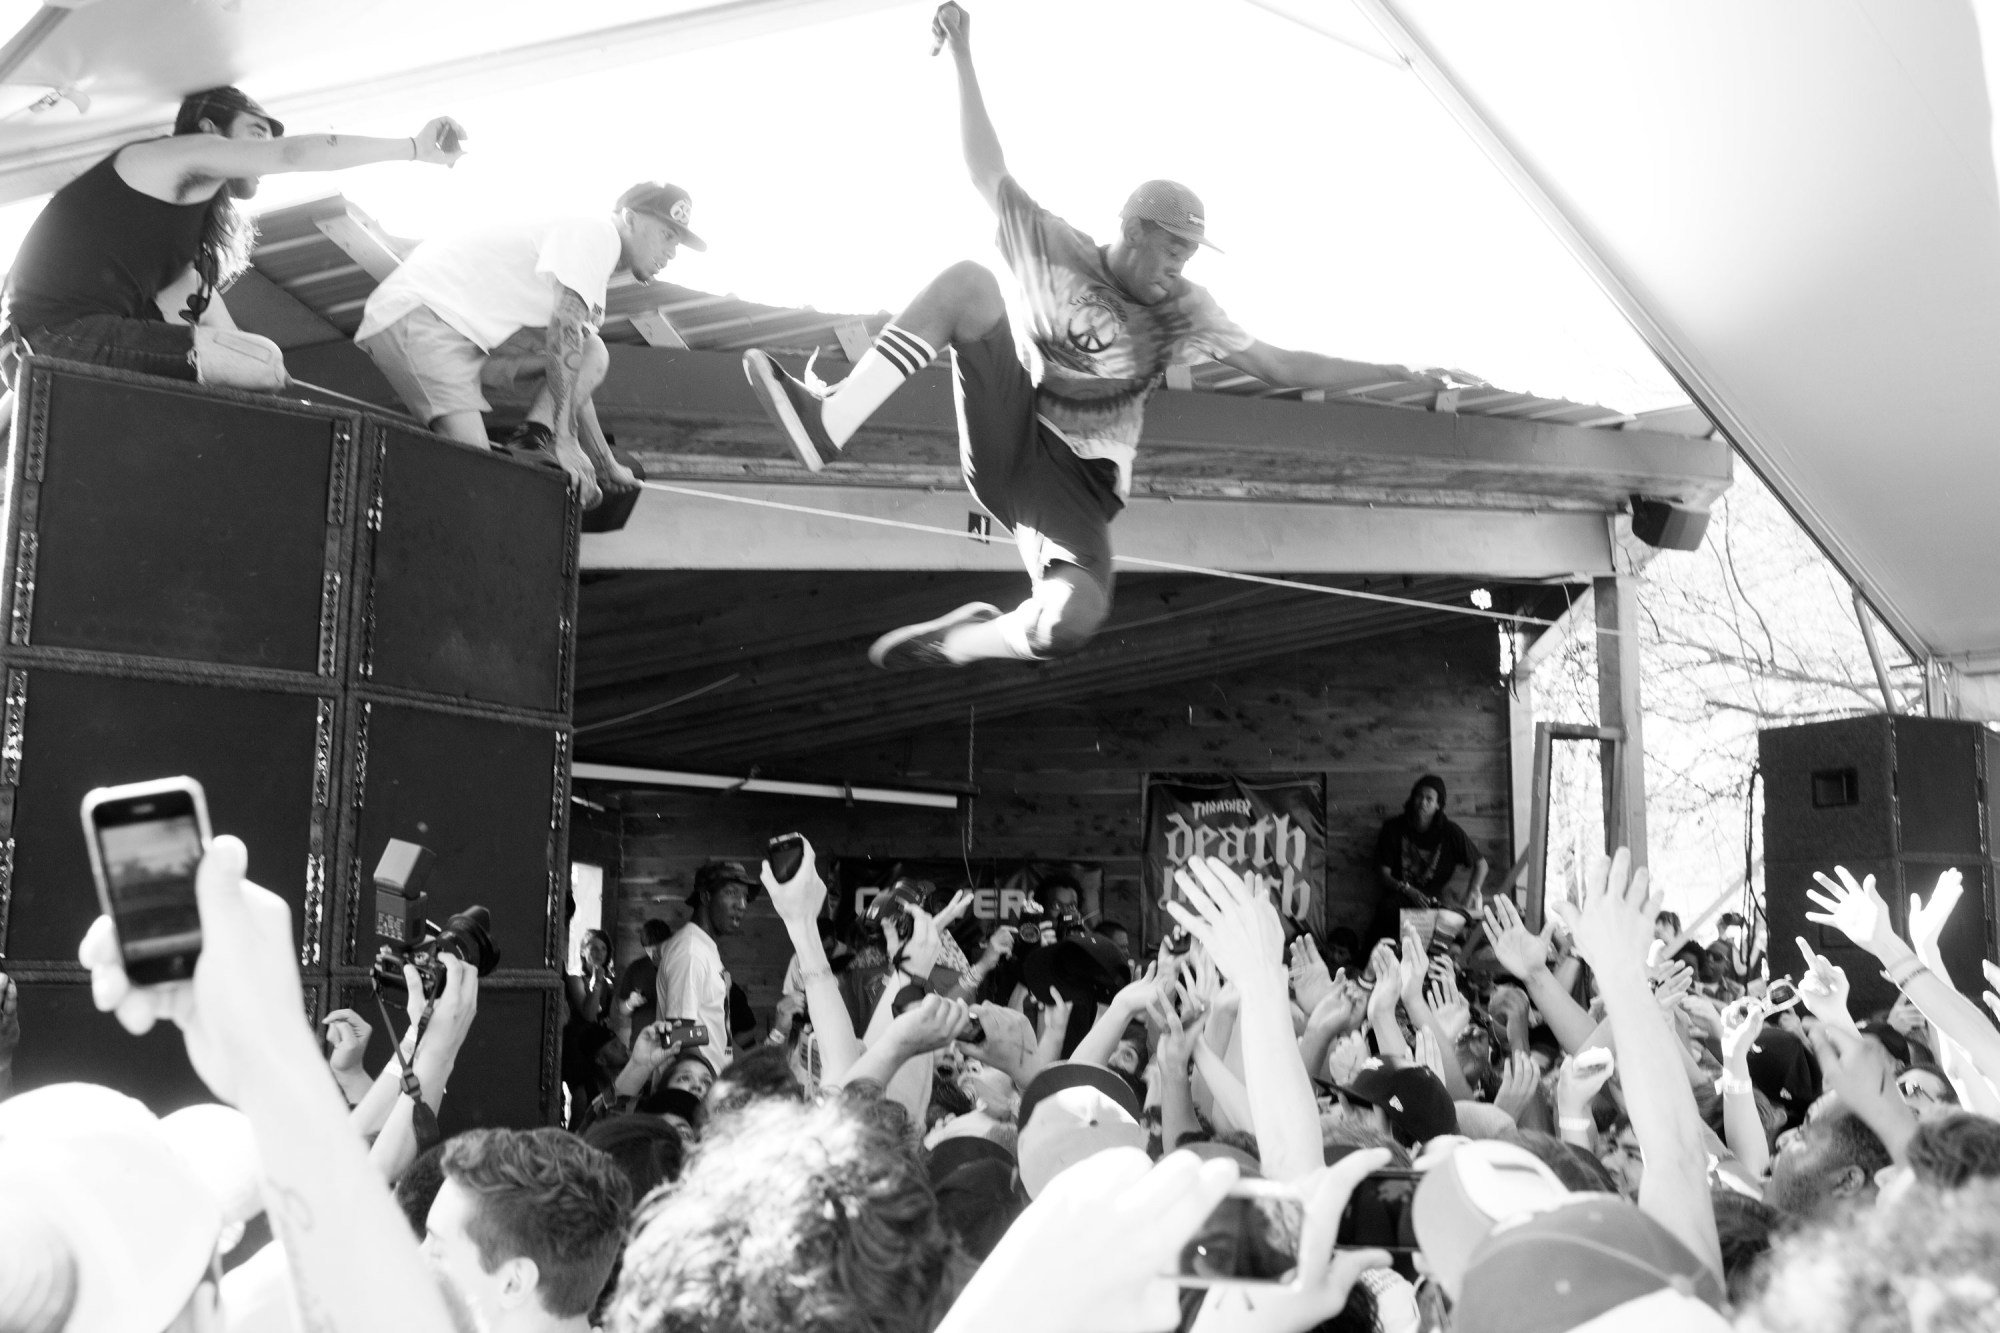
{"type": "Point", "coordinates": [125, 265]}
{"type": "Point", "coordinates": [520, 300]}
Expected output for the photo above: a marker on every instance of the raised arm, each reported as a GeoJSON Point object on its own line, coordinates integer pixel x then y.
{"type": "Point", "coordinates": [172, 168]}
{"type": "Point", "coordinates": [1613, 929]}
{"type": "Point", "coordinates": [1311, 370]}
{"type": "Point", "coordinates": [1525, 954]}
{"type": "Point", "coordinates": [798, 902]}
{"type": "Point", "coordinates": [952, 27]}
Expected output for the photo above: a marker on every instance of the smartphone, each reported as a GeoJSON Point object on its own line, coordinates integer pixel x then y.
{"type": "Point", "coordinates": [1252, 1237]}
{"type": "Point", "coordinates": [146, 841]}
{"type": "Point", "coordinates": [447, 138]}
{"type": "Point", "coordinates": [1593, 1060]}
{"type": "Point", "coordinates": [1378, 1217]}
{"type": "Point", "coordinates": [1780, 996]}
{"type": "Point", "coordinates": [682, 1032]}
{"type": "Point", "coordinates": [1179, 940]}
{"type": "Point", "coordinates": [785, 854]}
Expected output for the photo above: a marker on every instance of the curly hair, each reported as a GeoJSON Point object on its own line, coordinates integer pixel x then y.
{"type": "Point", "coordinates": [796, 1217]}
{"type": "Point", "coordinates": [1924, 1261]}
{"type": "Point", "coordinates": [1955, 1148]}
{"type": "Point", "coordinates": [761, 1074]}
{"type": "Point", "coordinates": [545, 1195]}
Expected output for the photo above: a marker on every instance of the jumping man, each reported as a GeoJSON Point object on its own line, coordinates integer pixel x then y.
{"type": "Point", "coordinates": [1048, 426]}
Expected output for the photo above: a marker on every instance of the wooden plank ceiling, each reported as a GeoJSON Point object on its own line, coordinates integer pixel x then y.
{"type": "Point", "coordinates": [780, 656]}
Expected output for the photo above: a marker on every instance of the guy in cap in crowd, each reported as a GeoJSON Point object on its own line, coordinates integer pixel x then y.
{"type": "Point", "coordinates": [521, 300]}
{"type": "Point", "coordinates": [125, 265]}
{"type": "Point", "coordinates": [693, 982]}
{"type": "Point", "coordinates": [1047, 443]}
{"type": "Point", "coordinates": [1408, 1103]}
{"type": "Point", "coordinates": [1070, 1112]}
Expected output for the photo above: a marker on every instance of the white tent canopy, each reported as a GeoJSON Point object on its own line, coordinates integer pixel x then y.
{"type": "Point", "coordinates": [1795, 204]}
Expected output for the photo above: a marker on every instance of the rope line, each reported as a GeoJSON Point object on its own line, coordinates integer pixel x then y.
{"type": "Point", "coordinates": [1171, 566]}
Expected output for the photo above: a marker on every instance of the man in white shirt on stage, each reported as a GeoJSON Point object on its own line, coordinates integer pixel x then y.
{"type": "Point", "coordinates": [693, 982]}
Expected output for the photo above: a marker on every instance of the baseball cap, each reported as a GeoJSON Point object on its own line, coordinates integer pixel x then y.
{"type": "Point", "coordinates": [715, 874]}
{"type": "Point", "coordinates": [1463, 1196]}
{"type": "Point", "coordinates": [669, 203]}
{"type": "Point", "coordinates": [1419, 1107]}
{"type": "Point", "coordinates": [1071, 1112]}
{"type": "Point", "coordinates": [221, 105]}
{"type": "Point", "coordinates": [1173, 206]}
{"type": "Point", "coordinates": [96, 1170]}
{"type": "Point", "coordinates": [1596, 1263]}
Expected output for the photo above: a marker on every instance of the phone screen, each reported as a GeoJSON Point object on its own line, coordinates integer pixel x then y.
{"type": "Point", "coordinates": [1250, 1237]}
{"type": "Point", "coordinates": [1378, 1215]}
{"type": "Point", "coordinates": [149, 847]}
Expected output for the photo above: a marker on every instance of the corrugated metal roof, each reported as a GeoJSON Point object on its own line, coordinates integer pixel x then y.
{"type": "Point", "coordinates": [310, 251]}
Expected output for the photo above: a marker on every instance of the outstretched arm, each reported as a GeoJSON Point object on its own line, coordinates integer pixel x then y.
{"type": "Point", "coordinates": [1311, 370]}
{"type": "Point", "coordinates": [953, 27]}
{"type": "Point", "coordinates": [173, 167]}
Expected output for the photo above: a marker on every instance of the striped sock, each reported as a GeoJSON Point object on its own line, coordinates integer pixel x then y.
{"type": "Point", "coordinates": [896, 355]}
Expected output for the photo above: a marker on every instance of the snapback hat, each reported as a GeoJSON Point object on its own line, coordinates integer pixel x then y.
{"type": "Point", "coordinates": [221, 105]}
{"type": "Point", "coordinates": [669, 203]}
{"type": "Point", "coordinates": [1172, 206]}
{"type": "Point", "coordinates": [1597, 1263]}
{"type": "Point", "coordinates": [105, 1185]}
{"type": "Point", "coordinates": [1469, 1191]}
{"type": "Point", "coordinates": [1419, 1107]}
{"type": "Point", "coordinates": [1071, 1112]}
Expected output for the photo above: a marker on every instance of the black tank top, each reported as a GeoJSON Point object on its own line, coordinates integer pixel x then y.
{"type": "Point", "coordinates": [100, 247]}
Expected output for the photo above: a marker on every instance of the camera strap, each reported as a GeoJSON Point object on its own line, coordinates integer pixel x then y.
{"type": "Point", "coordinates": [423, 1121]}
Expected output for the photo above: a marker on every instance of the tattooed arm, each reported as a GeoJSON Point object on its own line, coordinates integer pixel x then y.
{"type": "Point", "coordinates": [177, 168]}
{"type": "Point", "coordinates": [243, 1019]}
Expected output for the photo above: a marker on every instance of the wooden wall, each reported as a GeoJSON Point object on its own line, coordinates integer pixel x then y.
{"type": "Point", "coordinates": [1064, 784]}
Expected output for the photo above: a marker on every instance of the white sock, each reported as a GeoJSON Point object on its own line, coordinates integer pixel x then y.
{"type": "Point", "coordinates": [896, 355]}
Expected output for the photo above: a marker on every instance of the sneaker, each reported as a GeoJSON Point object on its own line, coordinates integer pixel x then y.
{"type": "Point", "coordinates": [794, 405]}
{"type": "Point", "coordinates": [923, 645]}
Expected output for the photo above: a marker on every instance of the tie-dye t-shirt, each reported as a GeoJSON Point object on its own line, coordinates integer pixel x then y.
{"type": "Point", "coordinates": [1096, 355]}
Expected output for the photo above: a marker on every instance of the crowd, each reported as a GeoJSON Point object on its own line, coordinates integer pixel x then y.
{"type": "Point", "coordinates": [1518, 1129]}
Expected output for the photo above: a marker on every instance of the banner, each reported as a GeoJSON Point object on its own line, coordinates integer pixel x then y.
{"type": "Point", "coordinates": [1269, 828]}
{"type": "Point", "coordinates": [1001, 888]}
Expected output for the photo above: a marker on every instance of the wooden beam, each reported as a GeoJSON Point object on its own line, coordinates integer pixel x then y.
{"type": "Point", "coordinates": [671, 531]}
{"type": "Point", "coordinates": [667, 405]}
{"type": "Point", "coordinates": [1618, 706]}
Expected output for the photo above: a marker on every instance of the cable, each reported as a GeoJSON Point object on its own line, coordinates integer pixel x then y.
{"type": "Point", "coordinates": [1143, 562]}
{"type": "Point", "coordinates": [654, 708]}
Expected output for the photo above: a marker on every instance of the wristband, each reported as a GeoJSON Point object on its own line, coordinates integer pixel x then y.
{"type": "Point", "coordinates": [812, 974]}
{"type": "Point", "coordinates": [1578, 1123]}
{"type": "Point", "coordinates": [1733, 1085]}
{"type": "Point", "coordinates": [413, 148]}
{"type": "Point", "coordinates": [1902, 973]}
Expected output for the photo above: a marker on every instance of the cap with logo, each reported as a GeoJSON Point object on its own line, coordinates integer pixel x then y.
{"type": "Point", "coordinates": [669, 203]}
{"type": "Point", "coordinates": [1071, 1112]}
{"type": "Point", "coordinates": [221, 106]}
{"type": "Point", "coordinates": [1173, 206]}
{"type": "Point", "coordinates": [1597, 1263]}
{"type": "Point", "coordinates": [1419, 1108]}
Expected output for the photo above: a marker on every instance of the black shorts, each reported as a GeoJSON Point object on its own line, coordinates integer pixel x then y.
{"type": "Point", "coordinates": [149, 346]}
{"type": "Point", "coordinates": [1059, 506]}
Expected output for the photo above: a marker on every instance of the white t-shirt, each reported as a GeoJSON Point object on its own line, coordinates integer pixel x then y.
{"type": "Point", "coordinates": [490, 283]}
{"type": "Point", "coordinates": [694, 984]}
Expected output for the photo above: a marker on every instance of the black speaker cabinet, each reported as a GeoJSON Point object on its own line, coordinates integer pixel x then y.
{"type": "Point", "coordinates": [1901, 798]}
{"type": "Point", "coordinates": [348, 631]}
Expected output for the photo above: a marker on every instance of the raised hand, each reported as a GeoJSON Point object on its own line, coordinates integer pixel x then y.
{"type": "Point", "coordinates": [1055, 1014]}
{"type": "Point", "coordinates": [1578, 1082]}
{"type": "Point", "coordinates": [1415, 968]}
{"type": "Point", "coordinates": [799, 899]}
{"type": "Point", "coordinates": [1340, 1010]}
{"type": "Point", "coordinates": [1854, 909]}
{"type": "Point", "coordinates": [999, 944]}
{"type": "Point", "coordinates": [1927, 920]}
{"type": "Point", "coordinates": [1672, 984]}
{"type": "Point", "coordinates": [953, 910]}
{"type": "Point", "coordinates": [950, 26]}
{"type": "Point", "coordinates": [1613, 928]}
{"type": "Point", "coordinates": [928, 1025]}
{"type": "Point", "coordinates": [1992, 997]}
{"type": "Point", "coordinates": [1177, 1040]}
{"type": "Point", "coordinates": [1453, 1010]}
{"type": "Point", "coordinates": [1346, 1059]}
{"type": "Point", "coordinates": [1010, 1043]}
{"type": "Point", "coordinates": [1520, 950]}
{"type": "Point", "coordinates": [1236, 924]}
{"type": "Point", "coordinates": [1741, 1024]}
{"type": "Point", "coordinates": [347, 1036]}
{"type": "Point", "coordinates": [1518, 1084]}
{"type": "Point", "coordinates": [1310, 981]}
{"type": "Point", "coordinates": [1823, 989]}
{"type": "Point", "coordinates": [431, 141]}
{"type": "Point", "coordinates": [1388, 983]}
{"type": "Point", "coordinates": [919, 955]}
{"type": "Point", "coordinates": [1508, 1003]}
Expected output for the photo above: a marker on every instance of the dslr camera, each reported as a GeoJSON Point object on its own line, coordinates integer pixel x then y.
{"type": "Point", "coordinates": [404, 935]}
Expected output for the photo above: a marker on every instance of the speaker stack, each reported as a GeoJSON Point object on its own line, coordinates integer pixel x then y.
{"type": "Point", "coordinates": [347, 630]}
{"type": "Point", "coordinates": [1899, 798]}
